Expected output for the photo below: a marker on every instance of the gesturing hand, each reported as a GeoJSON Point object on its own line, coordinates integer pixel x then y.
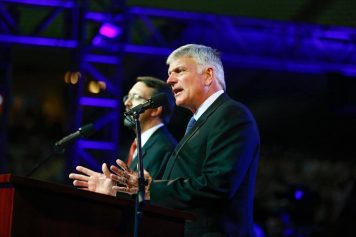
{"type": "Point", "coordinates": [94, 181]}
{"type": "Point", "coordinates": [128, 179]}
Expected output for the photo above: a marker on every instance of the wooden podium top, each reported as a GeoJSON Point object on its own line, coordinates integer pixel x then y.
{"type": "Point", "coordinates": [50, 209]}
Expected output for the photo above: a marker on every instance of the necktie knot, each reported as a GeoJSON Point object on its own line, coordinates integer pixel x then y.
{"type": "Point", "coordinates": [191, 123]}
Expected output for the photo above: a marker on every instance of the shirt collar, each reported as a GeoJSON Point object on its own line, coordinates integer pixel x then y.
{"type": "Point", "coordinates": [148, 133]}
{"type": "Point", "coordinates": [206, 104]}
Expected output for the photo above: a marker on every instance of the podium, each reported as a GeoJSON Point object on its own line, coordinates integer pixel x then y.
{"type": "Point", "coordinates": [30, 207]}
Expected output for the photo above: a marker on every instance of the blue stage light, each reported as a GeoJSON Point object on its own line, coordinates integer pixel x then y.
{"type": "Point", "coordinates": [110, 30]}
{"type": "Point", "coordinates": [298, 194]}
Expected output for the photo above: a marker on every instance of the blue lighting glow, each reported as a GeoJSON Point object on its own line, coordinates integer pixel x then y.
{"type": "Point", "coordinates": [98, 40]}
{"type": "Point", "coordinates": [102, 17]}
{"type": "Point", "coordinates": [258, 231]}
{"type": "Point", "coordinates": [110, 30]}
{"type": "Point", "coordinates": [96, 145]}
{"type": "Point", "coordinates": [139, 49]}
{"type": "Point", "coordinates": [54, 3]}
{"type": "Point", "coordinates": [88, 158]}
{"type": "Point", "coordinates": [107, 59]}
{"type": "Point", "coordinates": [298, 194]}
{"type": "Point", "coordinates": [99, 102]}
{"type": "Point", "coordinates": [38, 41]}
{"type": "Point", "coordinates": [167, 13]}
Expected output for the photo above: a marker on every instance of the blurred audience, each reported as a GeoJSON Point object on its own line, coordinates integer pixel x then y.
{"type": "Point", "coordinates": [32, 131]}
{"type": "Point", "coordinates": [301, 194]}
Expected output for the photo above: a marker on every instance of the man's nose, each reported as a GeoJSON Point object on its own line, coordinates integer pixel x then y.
{"type": "Point", "coordinates": [127, 102]}
{"type": "Point", "coordinates": [171, 80]}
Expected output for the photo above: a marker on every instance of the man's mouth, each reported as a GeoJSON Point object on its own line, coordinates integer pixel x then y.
{"type": "Point", "coordinates": [177, 91]}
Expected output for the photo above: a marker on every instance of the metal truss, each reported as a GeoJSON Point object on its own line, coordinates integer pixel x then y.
{"type": "Point", "coordinates": [103, 108]}
{"type": "Point", "coordinates": [244, 42]}
{"type": "Point", "coordinates": [69, 25]}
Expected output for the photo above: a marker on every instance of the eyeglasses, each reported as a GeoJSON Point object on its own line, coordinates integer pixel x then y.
{"type": "Point", "coordinates": [133, 96]}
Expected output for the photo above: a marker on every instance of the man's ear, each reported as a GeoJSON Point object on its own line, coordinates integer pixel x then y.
{"type": "Point", "coordinates": [209, 75]}
{"type": "Point", "coordinates": [156, 112]}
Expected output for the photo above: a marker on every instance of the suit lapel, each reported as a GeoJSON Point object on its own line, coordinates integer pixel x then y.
{"type": "Point", "coordinates": [201, 121]}
{"type": "Point", "coordinates": [133, 165]}
{"type": "Point", "coordinates": [146, 147]}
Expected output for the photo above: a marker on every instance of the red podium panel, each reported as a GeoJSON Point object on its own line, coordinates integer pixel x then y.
{"type": "Point", "coordinates": [30, 207]}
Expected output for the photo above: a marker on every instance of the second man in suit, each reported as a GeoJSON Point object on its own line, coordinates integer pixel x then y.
{"type": "Point", "coordinates": [157, 142]}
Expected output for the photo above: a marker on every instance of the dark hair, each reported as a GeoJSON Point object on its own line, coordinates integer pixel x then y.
{"type": "Point", "coordinates": [160, 86]}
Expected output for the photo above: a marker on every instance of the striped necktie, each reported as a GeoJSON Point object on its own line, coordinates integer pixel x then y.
{"type": "Point", "coordinates": [191, 123]}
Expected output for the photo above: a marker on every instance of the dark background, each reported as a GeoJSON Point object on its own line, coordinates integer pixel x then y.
{"type": "Point", "coordinates": [307, 121]}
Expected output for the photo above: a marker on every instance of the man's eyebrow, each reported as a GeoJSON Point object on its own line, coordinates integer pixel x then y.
{"type": "Point", "coordinates": [178, 68]}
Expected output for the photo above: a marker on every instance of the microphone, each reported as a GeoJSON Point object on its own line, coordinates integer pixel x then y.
{"type": "Point", "coordinates": [84, 131]}
{"type": "Point", "coordinates": [156, 101]}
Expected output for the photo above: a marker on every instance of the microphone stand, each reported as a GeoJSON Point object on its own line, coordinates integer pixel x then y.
{"type": "Point", "coordinates": [140, 198]}
{"type": "Point", "coordinates": [54, 150]}
{"type": "Point", "coordinates": [58, 147]}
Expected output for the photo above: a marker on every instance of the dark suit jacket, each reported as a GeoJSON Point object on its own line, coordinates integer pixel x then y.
{"type": "Point", "coordinates": [212, 172]}
{"type": "Point", "coordinates": [156, 152]}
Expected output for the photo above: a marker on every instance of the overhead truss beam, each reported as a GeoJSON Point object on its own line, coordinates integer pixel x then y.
{"type": "Point", "coordinates": [246, 42]}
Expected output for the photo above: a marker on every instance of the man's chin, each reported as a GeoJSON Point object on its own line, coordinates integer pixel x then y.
{"type": "Point", "coordinates": [179, 102]}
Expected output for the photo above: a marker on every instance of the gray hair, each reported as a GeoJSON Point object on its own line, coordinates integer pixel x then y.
{"type": "Point", "coordinates": [204, 56]}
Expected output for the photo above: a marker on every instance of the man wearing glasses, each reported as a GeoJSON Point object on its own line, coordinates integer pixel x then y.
{"type": "Point", "coordinates": [157, 142]}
